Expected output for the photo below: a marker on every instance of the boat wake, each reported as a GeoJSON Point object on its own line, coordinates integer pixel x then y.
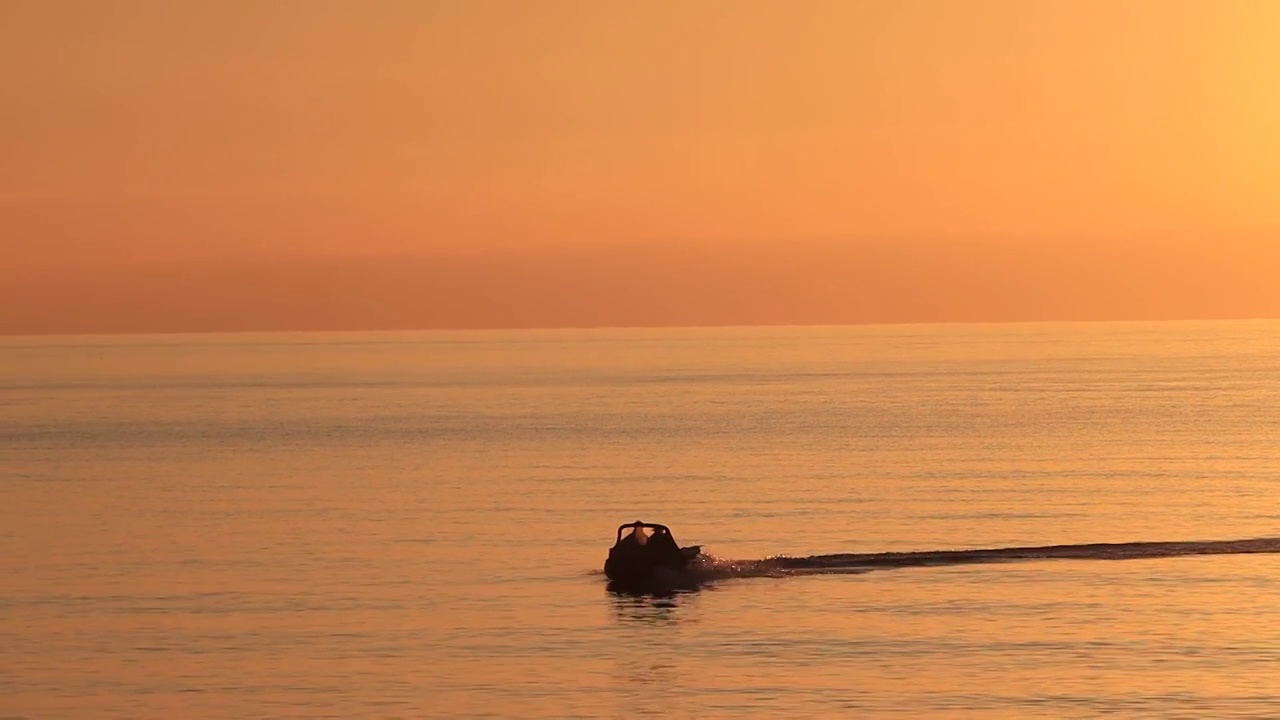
{"type": "Point", "coordinates": [714, 568]}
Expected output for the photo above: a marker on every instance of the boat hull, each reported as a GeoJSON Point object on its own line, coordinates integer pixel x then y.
{"type": "Point", "coordinates": [641, 567]}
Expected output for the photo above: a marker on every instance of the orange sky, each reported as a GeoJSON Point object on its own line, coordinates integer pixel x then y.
{"type": "Point", "coordinates": [522, 163]}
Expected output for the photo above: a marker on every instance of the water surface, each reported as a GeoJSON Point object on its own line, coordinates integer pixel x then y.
{"type": "Point", "coordinates": [412, 525]}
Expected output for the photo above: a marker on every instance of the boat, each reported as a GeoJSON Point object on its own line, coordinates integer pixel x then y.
{"type": "Point", "coordinates": [647, 553]}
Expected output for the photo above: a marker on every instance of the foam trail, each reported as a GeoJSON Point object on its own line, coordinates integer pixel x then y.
{"type": "Point", "coordinates": [865, 562]}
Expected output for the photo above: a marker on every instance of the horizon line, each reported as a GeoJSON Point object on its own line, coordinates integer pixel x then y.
{"type": "Point", "coordinates": [5, 337]}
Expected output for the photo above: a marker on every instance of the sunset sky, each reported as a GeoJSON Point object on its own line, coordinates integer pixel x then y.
{"type": "Point", "coordinates": [173, 166]}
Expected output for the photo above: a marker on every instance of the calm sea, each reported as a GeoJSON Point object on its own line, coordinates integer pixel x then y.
{"type": "Point", "coordinates": [412, 525]}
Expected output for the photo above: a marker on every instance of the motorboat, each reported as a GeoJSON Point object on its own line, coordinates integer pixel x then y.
{"type": "Point", "coordinates": [643, 552]}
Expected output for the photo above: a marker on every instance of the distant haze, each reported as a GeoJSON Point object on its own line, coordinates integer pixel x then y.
{"type": "Point", "coordinates": [591, 286]}
{"type": "Point", "coordinates": [205, 166]}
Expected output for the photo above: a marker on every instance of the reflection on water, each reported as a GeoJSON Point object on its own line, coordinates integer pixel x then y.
{"type": "Point", "coordinates": [651, 609]}
{"type": "Point", "coordinates": [668, 586]}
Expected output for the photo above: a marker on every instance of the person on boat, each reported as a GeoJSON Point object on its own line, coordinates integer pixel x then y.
{"type": "Point", "coordinates": [639, 536]}
{"type": "Point", "coordinates": [664, 544]}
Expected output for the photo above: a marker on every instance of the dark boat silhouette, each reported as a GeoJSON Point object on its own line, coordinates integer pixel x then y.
{"type": "Point", "coordinates": [646, 554]}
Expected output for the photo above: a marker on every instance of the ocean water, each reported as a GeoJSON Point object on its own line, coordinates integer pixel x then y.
{"type": "Point", "coordinates": [413, 524]}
